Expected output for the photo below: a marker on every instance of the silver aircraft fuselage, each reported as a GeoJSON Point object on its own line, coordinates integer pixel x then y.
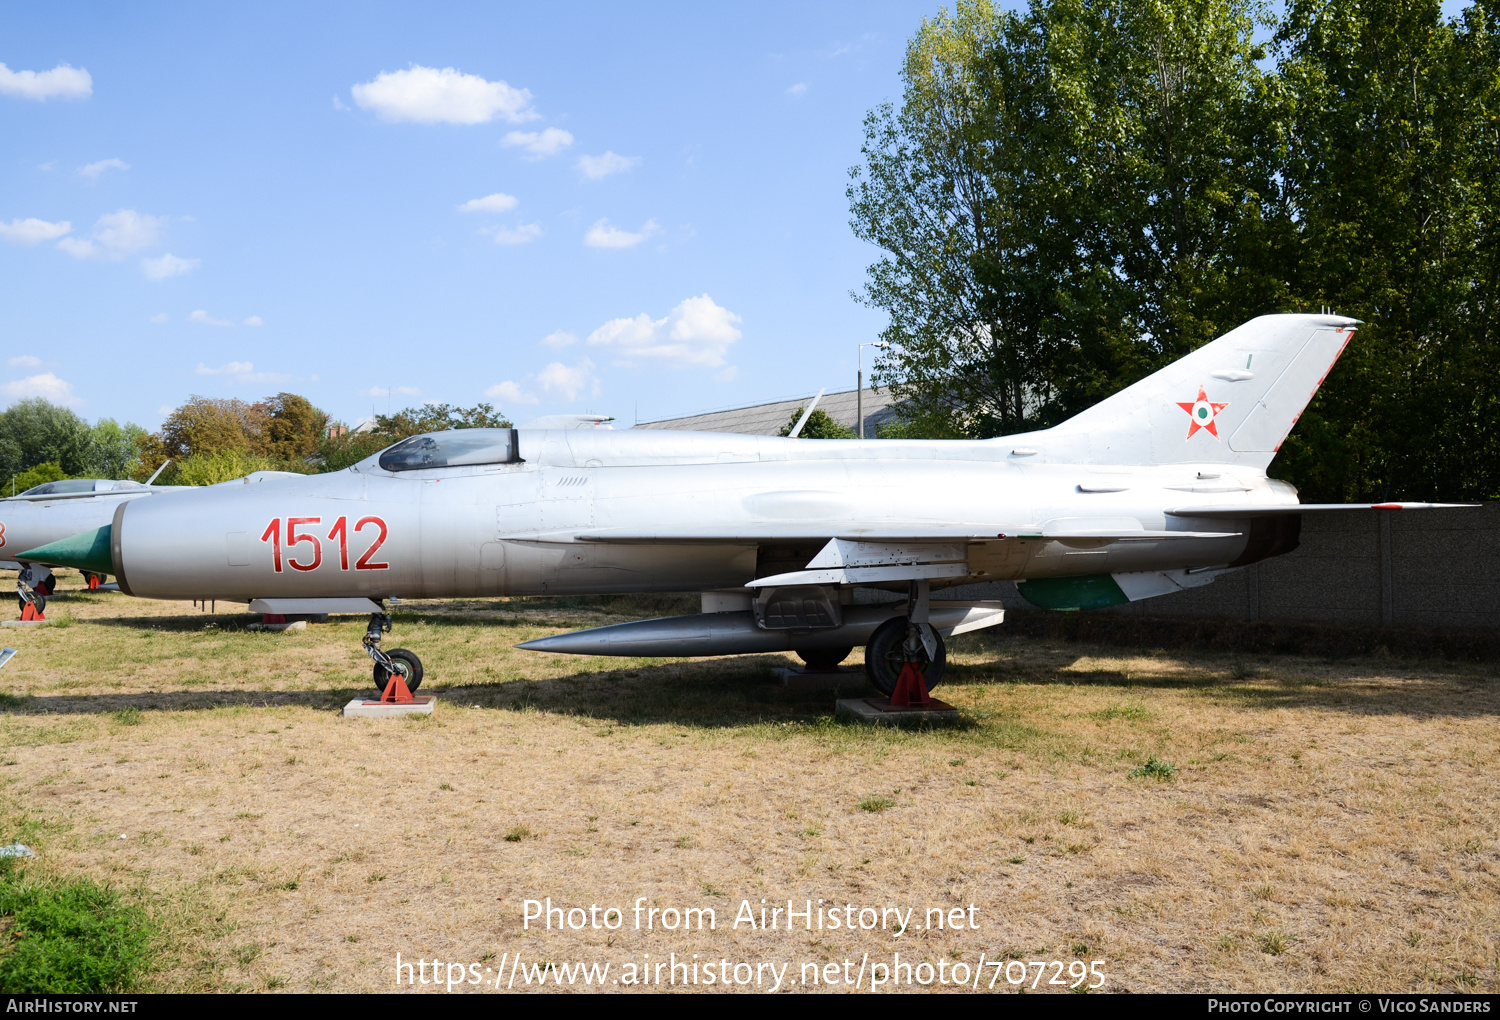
{"type": "Point", "coordinates": [595, 511]}
{"type": "Point", "coordinates": [37, 518]}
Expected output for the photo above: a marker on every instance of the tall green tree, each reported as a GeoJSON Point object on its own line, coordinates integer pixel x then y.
{"type": "Point", "coordinates": [1066, 199]}
{"type": "Point", "coordinates": [35, 431]}
{"type": "Point", "coordinates": [950, 192]}
{"type": "Point", "coordinates": [291, 427]}
{"type": "Point", "coordinates": [114, 450]}
{"type": "Point", "coordinates": [1393, 174]}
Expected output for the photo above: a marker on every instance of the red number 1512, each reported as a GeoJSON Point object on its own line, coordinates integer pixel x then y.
{"type": "Point", "coordinates": [339, 533]}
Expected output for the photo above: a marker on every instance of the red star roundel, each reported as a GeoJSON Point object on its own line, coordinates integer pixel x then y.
{"type": "Point", "coordinates": [1202, 412]}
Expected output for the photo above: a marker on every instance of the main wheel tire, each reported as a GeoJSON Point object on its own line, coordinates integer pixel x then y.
{"type": "Point", "coordinates": [400, 657]}
{"type": "Point", "coordinates": [884, 657]}
{"type": "Point", "coordinates": [824, 658]}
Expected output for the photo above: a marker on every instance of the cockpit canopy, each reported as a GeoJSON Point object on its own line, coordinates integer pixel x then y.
{"type": "Point", "coordinates": [72, 486]}
{"type": "Point", "coordinates": [459, 448]}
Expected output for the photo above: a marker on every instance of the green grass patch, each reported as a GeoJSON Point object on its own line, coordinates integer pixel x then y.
{"type": "Point", "coordinates": [1130, 711]}
{"type": "Point", "coordinates": [1154, 768]}
{"type": "Point", "coordinates": [71, 937]}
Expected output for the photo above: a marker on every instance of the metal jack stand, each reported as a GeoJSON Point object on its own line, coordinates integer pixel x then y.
{"type": "Point", "coordinates": [911, 685]}
{"type": "Point", "coordinates": [32, 603]}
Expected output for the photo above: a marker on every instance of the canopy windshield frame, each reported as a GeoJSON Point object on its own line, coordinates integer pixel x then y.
{"type": "Point", "coordinates": [456, 448]}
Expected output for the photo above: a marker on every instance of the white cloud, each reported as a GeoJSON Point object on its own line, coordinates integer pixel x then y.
{"type": "Point", "coordinates": [167, 265]}
{"type": "Point", "coordinates": [241, 371]}
{"type": "Point", "coordinates": [509, 393]}
{"type": "Point", "coordinates": [728, 374]}
{"type": "Point", "coordinates": [93, 170]}
{"type": "Point", "coordinates": [429, 96]}
{"type": "Point", "coordinates": [569, 380]}
{"type": "Point", "coordinates": [46, 385]}
{"type": "Point", "coordinates": [78, 249]}
{"type": "Point", "coordinates": [559, 339]}
{"type": "Point", "coordinates": [696, 332]}
{"type": "Point", "coordinates": [382, 391]}
{"type": "Point", "coordinates": [203, 318]}
{"type": "Point", "coordinates": [522, 234]}
{"type": "Point", "coordinates": [254, 320]}
{"type": "Point", "coordinates": [116, 235]}
{"type": "Point", "coordinates": [338, 104]}
{"type": "Point", "coordinates": [498, 202]}
{"type": "Point", "coordinates": [602, 235]}
{"type": "Point", "coordinates": [62, 82]}
{"type": "Point", "coordinates": [25, 361]}
{"type": "Point", "coordinates": [539, 144]}
{"type": "Point", "coordinates": [127, 230]}
{"type": "Point", "coordinates": [33, 230]}
{"type": "Point", "coordinates": [798, 89]}
{"type": "Point", "coordinates": [158, 318]}
{"type": "Point", "coordinates": [596, 167]}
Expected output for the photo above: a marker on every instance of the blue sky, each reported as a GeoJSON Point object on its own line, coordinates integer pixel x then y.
{"type": "Point", "coordinates": [593, 208]}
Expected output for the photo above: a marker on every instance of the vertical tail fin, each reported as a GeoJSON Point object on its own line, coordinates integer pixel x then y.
{"type": "Point", "coordinates": [1231, 401]}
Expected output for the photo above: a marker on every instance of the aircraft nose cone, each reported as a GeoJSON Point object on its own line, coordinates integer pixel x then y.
{"type": "Point", "coordinates": [87, 550]}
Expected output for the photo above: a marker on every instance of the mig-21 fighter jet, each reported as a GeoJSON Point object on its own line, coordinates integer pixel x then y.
{"type": "Point", "coordinates": [1159, 488]}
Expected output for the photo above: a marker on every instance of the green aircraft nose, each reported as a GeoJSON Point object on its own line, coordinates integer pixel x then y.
{"type": "Point", "coordinates": [87, 550]}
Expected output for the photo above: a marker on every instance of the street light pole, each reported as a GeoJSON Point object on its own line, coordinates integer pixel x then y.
{"type": "Point", "coordinates": [859, 384]}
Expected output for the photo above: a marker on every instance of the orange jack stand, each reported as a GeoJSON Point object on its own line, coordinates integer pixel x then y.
{"type": "Point", "coordinates": [396, 692]}
{"type": "Point", "coordinates": [911, 688]}
{"type": "Point", "coordinates": [30, 612]}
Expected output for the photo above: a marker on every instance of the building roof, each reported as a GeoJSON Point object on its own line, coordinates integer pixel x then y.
{"type": "Point", "coordinates": [770, 419]}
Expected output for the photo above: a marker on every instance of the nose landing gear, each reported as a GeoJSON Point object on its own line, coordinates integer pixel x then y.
{"type": "Point", "coordinates": [33, 585]}
{"type": "Point", "coordinates": [398, 672]}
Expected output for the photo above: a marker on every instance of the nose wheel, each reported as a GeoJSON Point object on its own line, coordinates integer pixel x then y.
{"type": "Point", "coordinates": [397, 671]}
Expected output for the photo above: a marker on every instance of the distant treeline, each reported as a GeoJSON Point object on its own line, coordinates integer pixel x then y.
{"type": "Point", "coordinates": [207, 440]}
{"type": "Point", "coordinates": [1069, 197]}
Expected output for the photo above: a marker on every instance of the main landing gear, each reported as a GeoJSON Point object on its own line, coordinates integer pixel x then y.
{"type": "Point", "coordinates": [398, 672]}
{"type": "Point", "coordinates": [906, 656]}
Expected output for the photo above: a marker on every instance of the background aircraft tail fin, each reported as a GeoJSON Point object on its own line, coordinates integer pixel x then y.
{"type": "Point", "coordinates": [1231, 401]}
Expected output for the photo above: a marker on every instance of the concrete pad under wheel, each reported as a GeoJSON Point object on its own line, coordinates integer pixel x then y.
{"type": "Point", "coordinates": [24, 623]}
{"type": "Point", "coordinates": [880, 711]}
{"type": "Point", "coordinates": [370, 708]}
{"type": "Point", "coordinates": [840, 678]}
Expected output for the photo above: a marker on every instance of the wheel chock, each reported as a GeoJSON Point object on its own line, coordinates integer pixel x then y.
{"type": "Point", "coordinates": [396, 692]}
{"type": "Point", "coordinates": [95, 581]}
{"type": "Point", "coordinates": [911, 688]}
{"type": "Point", "coordinates": [30, 613]}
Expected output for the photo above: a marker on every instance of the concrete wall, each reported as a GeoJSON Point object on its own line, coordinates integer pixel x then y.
{"type": "Point", "coordinates": [1428, 568]}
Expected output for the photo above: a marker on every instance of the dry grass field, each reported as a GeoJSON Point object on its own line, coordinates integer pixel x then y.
{"type": "Point", "coordinates": [1331, 825]}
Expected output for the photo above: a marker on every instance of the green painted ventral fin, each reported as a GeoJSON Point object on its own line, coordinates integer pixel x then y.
{"type": "Point", "coordinates": [1092, 592]}
{"type": "Point", "coordinates": [87, 550]}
